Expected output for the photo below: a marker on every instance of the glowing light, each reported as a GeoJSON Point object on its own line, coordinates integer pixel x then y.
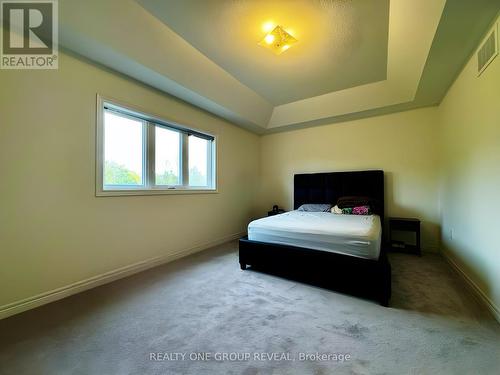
{"type": "Point", "coordinates": [268, 26]}
{"type": "Point", "coordinates": [269, 38]}
{"type": "Point", "coordinates": [278, 40]}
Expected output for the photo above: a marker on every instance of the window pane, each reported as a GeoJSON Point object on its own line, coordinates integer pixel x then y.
{"type": "Point", "coordinates": [198, 161]}
{"type": "Point", "coordinates": [123, 154]}
{"type": "Point", "coordinates": [167, 151]}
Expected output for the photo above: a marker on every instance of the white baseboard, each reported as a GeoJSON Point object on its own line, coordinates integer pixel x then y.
{"type": "Point", "coordinates": [476, 290]}
{"type": "Point", "coordinates": [92, 282]}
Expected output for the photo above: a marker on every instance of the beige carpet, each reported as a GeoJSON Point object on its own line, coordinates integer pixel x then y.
{"type": "Point", "coordinates": [206, 304]}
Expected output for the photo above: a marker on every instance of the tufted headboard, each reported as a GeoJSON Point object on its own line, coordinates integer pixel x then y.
{"type": "Point", "coordinates": [328, 187]}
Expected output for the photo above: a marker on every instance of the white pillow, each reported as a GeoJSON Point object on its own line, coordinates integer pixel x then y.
{"type": "Point", "coordinates": [311, 207]}
{"type": "Point", "coordinates": [336, 210]}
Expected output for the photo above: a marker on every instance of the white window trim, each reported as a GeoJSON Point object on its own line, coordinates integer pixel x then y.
{"type": "Point", "coordinates": [148, 187]}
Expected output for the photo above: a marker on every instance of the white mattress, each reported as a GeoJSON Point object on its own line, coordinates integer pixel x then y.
{"type": "Point", "coordinates": [356, 235]}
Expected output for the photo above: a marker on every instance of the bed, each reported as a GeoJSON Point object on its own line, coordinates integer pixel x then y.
{"type": "Point", "coordinates": [355, 235]}
{"type": "Point", "coordinates": [340, 252]}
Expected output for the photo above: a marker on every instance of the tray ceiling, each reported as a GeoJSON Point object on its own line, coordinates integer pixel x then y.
{"type": "Point", "coordinates": [354, 58]}
{"type": "Point", "coordinates": [342, 44]}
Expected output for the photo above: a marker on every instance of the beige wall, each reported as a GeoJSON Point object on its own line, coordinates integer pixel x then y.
{"type": "Point", "coordinates": [53, 230]}
{"type": "Point", "coordinates": [470, 195]}
{"type": "Point", "coordinates": [404, 145]}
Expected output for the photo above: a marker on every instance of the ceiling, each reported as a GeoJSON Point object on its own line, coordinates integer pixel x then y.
{"type": "Point", "coordinates": [353, 59]}
{"type": "Point", "coordinates": [342, 44]}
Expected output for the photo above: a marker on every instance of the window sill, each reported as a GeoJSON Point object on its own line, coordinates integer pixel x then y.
{"type": "Point", "coordinates": [118, 192]}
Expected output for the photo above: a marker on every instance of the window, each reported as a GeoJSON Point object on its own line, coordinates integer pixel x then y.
{"type": "Point", "coordinates": [141, 154]}
{"type": "Point", "coordinates": [199, 150]}
{"type": "Point", "coordinates": [123, 151]}
{"type": "Point", "coordinates": [167, 157]}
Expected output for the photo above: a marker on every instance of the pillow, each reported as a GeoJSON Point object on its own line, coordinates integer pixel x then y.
{"type": "Point", "coordinates": [337, 210]}
{"type": "Point", "coordinates": [311, 207]}
{"type": "Point", "coordinates": [358, 210]}
{"type": "Point", "coordinates": [361, 210]}
{"type": "Point", "coordinates": [354, 201]}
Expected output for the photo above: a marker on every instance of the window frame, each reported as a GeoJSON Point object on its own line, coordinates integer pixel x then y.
{"type": "Point", "coordinates": [150, 123]}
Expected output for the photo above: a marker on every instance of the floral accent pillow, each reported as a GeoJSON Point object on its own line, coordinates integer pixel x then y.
{"type": "Point", "coordinates": [358, 210]}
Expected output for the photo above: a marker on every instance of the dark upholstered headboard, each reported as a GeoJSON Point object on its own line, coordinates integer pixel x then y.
{"type": "Point", "coordinates": [328, 187]}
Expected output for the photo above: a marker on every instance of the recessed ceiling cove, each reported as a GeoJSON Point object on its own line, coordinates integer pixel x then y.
{"type": "Point", "coordinates": [342, 43]}
{"type": "Point", "coordinates": [352, 58]}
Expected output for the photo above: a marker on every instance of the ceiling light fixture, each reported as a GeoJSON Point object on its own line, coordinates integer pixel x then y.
{"type": "Point", "coordinates": [278, 40]}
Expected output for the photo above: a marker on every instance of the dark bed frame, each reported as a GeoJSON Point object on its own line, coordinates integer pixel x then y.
{"type": "Point", "coordinates": [363, 277]}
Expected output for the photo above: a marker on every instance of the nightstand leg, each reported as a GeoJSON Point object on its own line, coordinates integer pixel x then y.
{"type": "Point", "coordinates": [243, 266]}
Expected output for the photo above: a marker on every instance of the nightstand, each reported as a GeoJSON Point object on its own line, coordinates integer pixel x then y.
{"type": "Point", "coordinates": [401, 224]}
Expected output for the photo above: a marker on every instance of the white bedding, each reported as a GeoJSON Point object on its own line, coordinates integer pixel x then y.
{"type": "Point", "coordinates": [355, 235]}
